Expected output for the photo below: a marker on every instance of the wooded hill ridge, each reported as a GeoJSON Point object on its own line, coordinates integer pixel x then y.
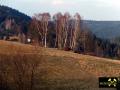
{"type": "Point", "coordinates": [11, 21]}
{"type": "Point", "coordinates": [6, 12]}
{"type": "Point", "coordinates": [104, 29]}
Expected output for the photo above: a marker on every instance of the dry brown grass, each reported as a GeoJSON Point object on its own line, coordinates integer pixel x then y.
{"type": "Point", "coordinates": [68, 70]}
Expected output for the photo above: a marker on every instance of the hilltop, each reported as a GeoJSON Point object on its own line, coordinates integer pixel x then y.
{"type": "Point", "coordinates": [7, 12]}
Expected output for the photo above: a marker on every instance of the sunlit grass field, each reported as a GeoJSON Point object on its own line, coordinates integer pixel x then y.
{"type": "Point", "coordinates": [63, 70]}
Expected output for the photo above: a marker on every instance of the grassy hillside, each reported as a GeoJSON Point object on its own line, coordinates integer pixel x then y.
{"type": "Point", "coordinates": [61, 70]}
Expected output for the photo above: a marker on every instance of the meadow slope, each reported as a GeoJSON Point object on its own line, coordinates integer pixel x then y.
{"type": "Point", "coordinates": [67, 70]}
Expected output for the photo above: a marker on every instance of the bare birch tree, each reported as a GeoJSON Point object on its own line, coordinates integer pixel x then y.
{"type": "Point", "coordinates": [45, 21]}
{"type": "Point", "coordinates": [41, 21]}
{"type": "Point", "coordinates": [56, 18]}
{"type": "Point", "coordinates": [60, 26]}
{"type": "Point", "coordinates": [67, 31]}
{"type": "Point", "coordinates": [76, 32]}
{"type": "Point", "coordinates": [62, 29]}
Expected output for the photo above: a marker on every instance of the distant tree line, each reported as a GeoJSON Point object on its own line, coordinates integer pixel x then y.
{"type": "Point", "coordinates": [62, 31]}
{"type": "Point", "coordinates": [67, 32]}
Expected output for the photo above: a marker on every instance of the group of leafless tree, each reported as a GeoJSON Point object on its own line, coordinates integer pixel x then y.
{"type": "Point", "coordinates": [40, 26]}
{"type": "Point", "coordinates": [67, 32]}
{"type": "Point", "coordinates": [66, 28]}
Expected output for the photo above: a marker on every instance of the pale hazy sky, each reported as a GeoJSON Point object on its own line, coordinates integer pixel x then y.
{"type": "Point", "coordinates": [88, 9]}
